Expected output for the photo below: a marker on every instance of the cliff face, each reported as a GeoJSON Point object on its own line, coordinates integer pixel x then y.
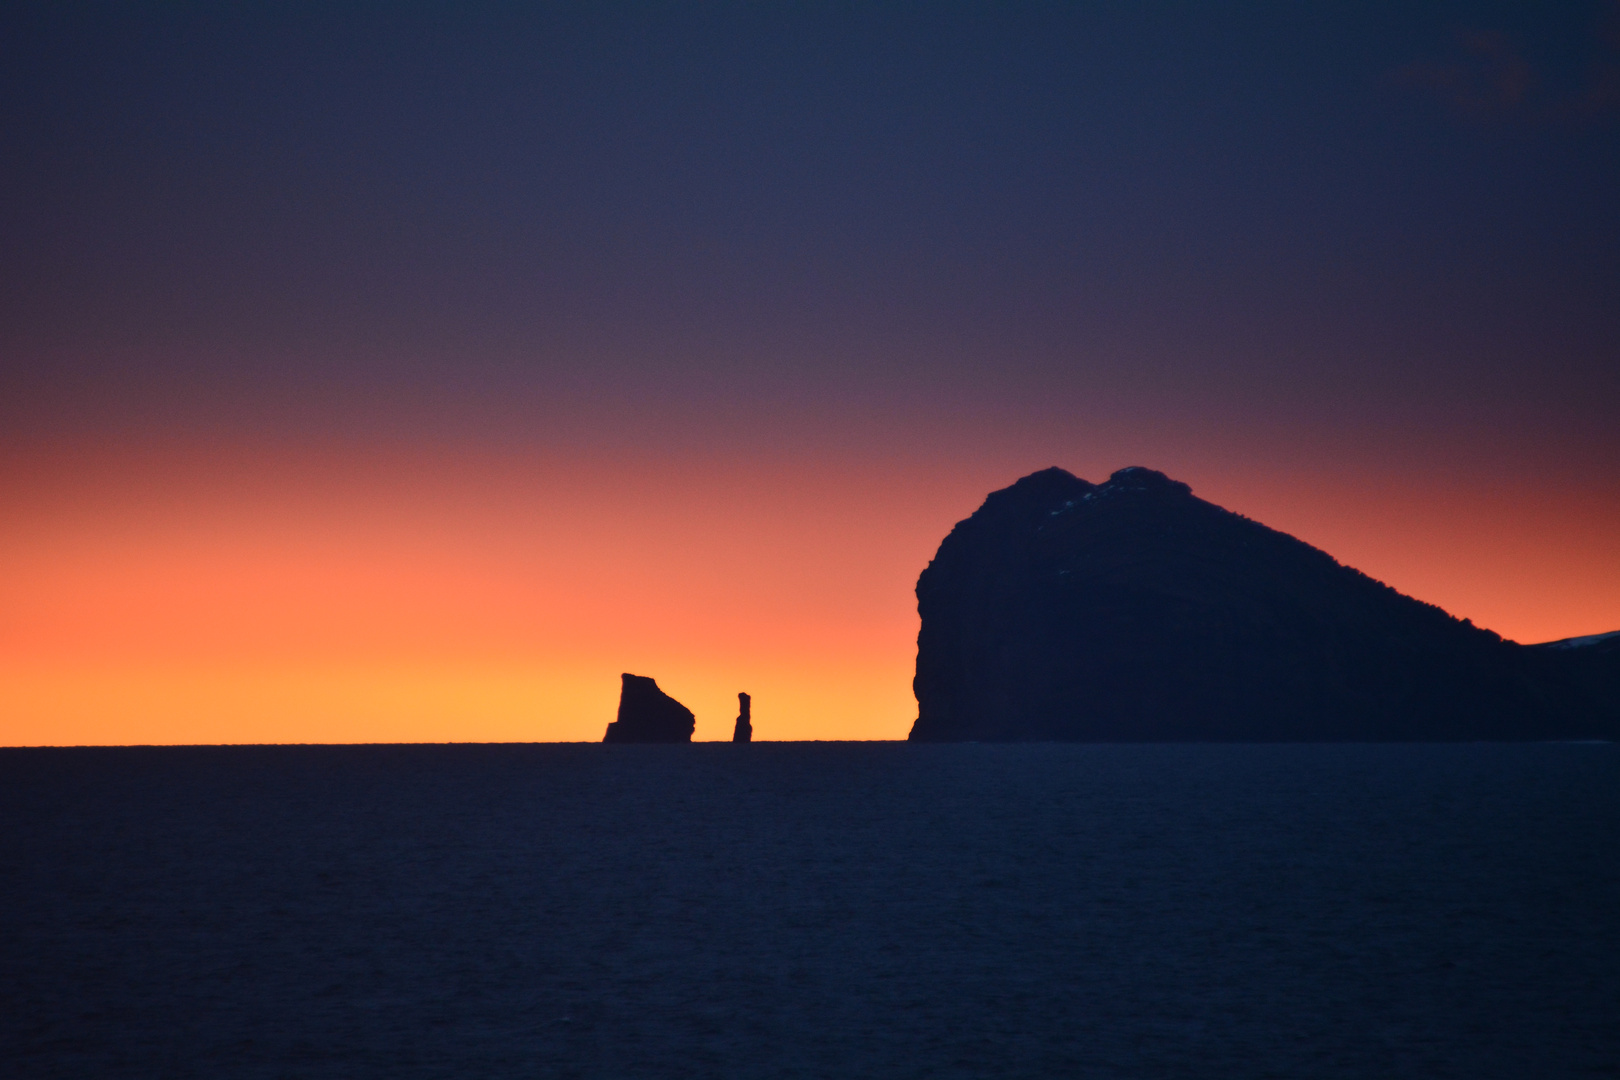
{"type": "Point", "coordinates": [1133, 611]}
{"type": "Point", "coordinates": [648, 715]}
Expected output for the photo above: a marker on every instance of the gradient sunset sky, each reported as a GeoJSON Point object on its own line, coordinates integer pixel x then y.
{"type": "Point", "coordinates": [406, 373]}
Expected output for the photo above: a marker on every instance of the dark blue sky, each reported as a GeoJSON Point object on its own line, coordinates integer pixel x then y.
{"type": "Point", "coordinates": [1379, 221]}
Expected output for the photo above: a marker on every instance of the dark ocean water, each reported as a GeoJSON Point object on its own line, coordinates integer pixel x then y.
{"type": "Point", "coordinates": [814, 910]}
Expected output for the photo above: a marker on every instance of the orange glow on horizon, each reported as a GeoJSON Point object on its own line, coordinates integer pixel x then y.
{"type": "Point", "coordinates": [221, 599]}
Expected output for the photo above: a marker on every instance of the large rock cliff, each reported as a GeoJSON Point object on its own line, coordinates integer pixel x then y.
{"type": "Point", "coordinates": [1133, 611]}
{"type": "Point", "coordinates": [648, 715]}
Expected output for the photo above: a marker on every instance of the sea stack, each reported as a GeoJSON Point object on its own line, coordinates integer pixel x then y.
{"type": "Point", "coordinates": [648, 715]}
{"type": "Point", "coordinates": [1132, 611]}
{"type": "Point", "coordinates": [745, 726]}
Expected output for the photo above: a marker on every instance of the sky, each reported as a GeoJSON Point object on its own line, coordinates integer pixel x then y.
{"type": "Point", "coordinates": [407, 372]}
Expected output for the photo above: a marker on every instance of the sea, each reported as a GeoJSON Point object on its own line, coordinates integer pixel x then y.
{"type": "Point", "coordinates": [811, 910]}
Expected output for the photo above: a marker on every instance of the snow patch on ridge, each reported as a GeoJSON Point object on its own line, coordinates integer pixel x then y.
{"type": "Point", "coordinates": [1578, 642]}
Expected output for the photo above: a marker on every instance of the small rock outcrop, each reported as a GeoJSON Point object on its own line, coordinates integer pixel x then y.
{"type": "Point", "coordinates": [745, 726]}
{"type": "Point", "coordinates": [1133, 611]}
{"type": "Point", "coordinates": [648, 715]}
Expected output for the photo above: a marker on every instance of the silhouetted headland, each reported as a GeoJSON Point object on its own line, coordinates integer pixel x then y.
{"type": "Point", "coordinates": [1132, 611]}
{"type": "Point", "coordinates": [745, 726]}
{"type": "Point", "coordinates": [648, 715]}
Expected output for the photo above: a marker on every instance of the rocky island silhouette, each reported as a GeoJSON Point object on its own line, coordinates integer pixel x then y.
{"type": "Point", "coordinates": [648, 715]}
{"type": "Point", "coordinates": [1133, 611]}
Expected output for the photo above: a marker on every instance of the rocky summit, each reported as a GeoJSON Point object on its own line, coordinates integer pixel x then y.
{"type": "Point", "coordinates": [648, 715]}
{"type": "Point", "coordinates": [1134, 611]}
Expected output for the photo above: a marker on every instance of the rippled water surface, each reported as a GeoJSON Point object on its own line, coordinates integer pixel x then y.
{"type": "Point", "coordinates": [815, 910]}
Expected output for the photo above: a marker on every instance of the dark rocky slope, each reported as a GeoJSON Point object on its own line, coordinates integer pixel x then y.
{"type": "Point", "coordinates": [1133, 611]}
{"type": "Point", "coordinates": [648, 715]}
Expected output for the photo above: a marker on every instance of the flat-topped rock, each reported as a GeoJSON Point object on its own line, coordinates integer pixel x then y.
{"type": "Point", "coordinates": [648, 715]}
